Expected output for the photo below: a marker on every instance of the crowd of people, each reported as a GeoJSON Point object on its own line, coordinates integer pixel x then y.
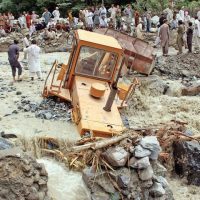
{"type": "Point", "coordinates": [128, 19]}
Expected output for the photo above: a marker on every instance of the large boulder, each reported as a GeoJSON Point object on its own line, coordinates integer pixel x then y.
{"type": "Point", "coordinates": [151, 143]}
{"type": "Point", "coordinates": [187, 160]}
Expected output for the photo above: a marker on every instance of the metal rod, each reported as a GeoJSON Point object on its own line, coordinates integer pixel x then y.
{"type": "Point", "coordinates": [113, 90]}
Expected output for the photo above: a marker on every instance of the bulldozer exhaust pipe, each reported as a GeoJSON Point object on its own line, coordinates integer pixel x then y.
{"type": "Point", "coordinates": [113, 91]}
{"type": "Point", "coordinates": [111, 99]}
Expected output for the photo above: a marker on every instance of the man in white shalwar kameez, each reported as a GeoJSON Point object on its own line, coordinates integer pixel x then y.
{"type": "Point", "coordinates": [56, 14]}
{"type": "Point", "coordinates": [33, 52]}
{"type": "Point", "coordinates": [196, 33]}
{"type": "Point", "coordinates": [103, 16]}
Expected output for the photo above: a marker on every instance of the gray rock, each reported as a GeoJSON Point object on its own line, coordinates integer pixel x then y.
{"type": "Point", "coordinates": [5, 144]}
{"type": "Point", "coordinates": [47, 115]}
{"type": "Point", "coordinates": [187, 160]}
{"type": "Point", "coordinates": [18, 93]}
{"type": "Point", "coordinates": [159, 170]}
{"type": "Point", "coordinates": [94, 181]}
{"type": "Point", "coordinates": [124, 178]}
{"type": "Point", "coordinates": [100, 195]}
{"type": "Point", "coordinates": [147, 184]}
{"type": "Point", "coordinates": [142, 163]}
{"type": "Point", "coordinates": [88, 175]}
{"type": "Point", "coordinates": [151, 143]}
{"type": "Point", "coordinates": [104, 182]}
{"type": "Point", "coordinates": [141, 152]}
{"type": "Point", "coordinates": [156, 190]}
{"type": "Point", "coordinates": [116, 156]}
{"type": "Point", "coordinates": [134, 177]}
{"type": "Point", "coordinates": [146, 174]}
{"type": "Point", "coordinates": [161, 180]}
{"type": "Point", "coordinates": [27, 108]}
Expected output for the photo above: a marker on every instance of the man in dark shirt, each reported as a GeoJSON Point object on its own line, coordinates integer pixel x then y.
{"type": "Point", "coordinates": [162, 18]}
{"type": "Point", "coordinates": [189, 37]}
{"type": "Point", "coordinates": [13, 55]}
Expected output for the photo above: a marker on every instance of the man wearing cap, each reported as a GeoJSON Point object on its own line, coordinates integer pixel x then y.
{"type": "Point", "coordinates": [56, 14]}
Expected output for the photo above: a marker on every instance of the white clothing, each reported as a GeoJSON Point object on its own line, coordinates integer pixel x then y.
{"type": "Point", "coordinates": [138, 31]}
{"type": "Point", "coordinates": [197, 28]}
{"type": "Point", "coordinates": [56, 14]}
{"type": "Point", "coordinates": [26, 43]}
{"type": "Point", "coordinates": [198, 14]}
{"type": "Point", "coordinates": [102, 11]}
{"type": "Point", "coordinates": [33, 59]}
{"type": "Point", "coordinates": [11, 19]}
{"type": "Point", "coordinates": [113, 11]}
{"type": "Point", "coordinates": [182, 15]}
{"type": "Point", "coordinates": [22, 21]}
{"type": "Point", "coordinates": [32, 29]}
{"type": "Point", "coordinates": [90, 19]}
{"type": "Point", "coordinates": [103, 19]}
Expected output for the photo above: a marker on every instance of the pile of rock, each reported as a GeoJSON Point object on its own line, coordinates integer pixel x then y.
{"type": "Point", "coordinates": [21, 177]}
{"type": "Point", "coordinates": [185, 66]}
{"type": "Point", "coordinates": [131, 173]}
{"type": "Point", "coordinates": [48, 109]}
{"type": "Point", "coordinates": [51, 45]}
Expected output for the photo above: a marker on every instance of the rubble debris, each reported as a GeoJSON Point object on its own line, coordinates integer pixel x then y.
{"type": "Point", "coordinates": [48, 109]}
{"type": "Point", "coordinates": [184, 66]}
{"type": "Point", "coordinates": [116, 156]}
{"type": "Point", "coordinates": [5, 144]}
{"type": "Point", "coordinates": [124, 182]}
{"type": "Point", "coordinates": [187, 160]}
{"type": "Point", "coordinates": [151, 143]}
{"type": "Point", "coordinates": [141, 152]}
{"type": "Point", "coordinates": [53, 45]}
{"type": "Point", "coordinates": [25, 178]}
{"type": "Point", "coordinates": [142, 163]}
{"type": "Point", "coordinates": [191, 91]}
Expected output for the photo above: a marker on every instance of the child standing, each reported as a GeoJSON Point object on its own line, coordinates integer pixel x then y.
{"type": "Point", "coordinates": [189, 37]}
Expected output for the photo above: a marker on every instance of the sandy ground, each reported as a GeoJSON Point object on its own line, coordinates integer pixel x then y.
{"type": "Point", "coordinates": [148, 107]}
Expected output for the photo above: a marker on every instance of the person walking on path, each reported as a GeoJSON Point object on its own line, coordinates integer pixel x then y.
{"type": "Point", "coordinates": [164, 37]}
{"type": "Point", "coordinates": [33, 52]}
{"type": "Point", "coordinates": [189, 37]}
{"type": "Point", "coordinates": [180, 41]}
{"type": "Point", "coordinates": [13, 55]}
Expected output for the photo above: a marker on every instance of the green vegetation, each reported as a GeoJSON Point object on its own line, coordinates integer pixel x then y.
{"type": "Point", "coordinates": [17, 6]}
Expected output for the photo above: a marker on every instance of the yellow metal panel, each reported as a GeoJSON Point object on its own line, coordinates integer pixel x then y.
{"type": "Point", "coordinates": [98, 39]}
{"type": "Point", "coordinates": [93, 117]}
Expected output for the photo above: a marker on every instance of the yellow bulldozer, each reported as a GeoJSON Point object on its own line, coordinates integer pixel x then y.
{"type": "Point", "coordinates": [90, 81]}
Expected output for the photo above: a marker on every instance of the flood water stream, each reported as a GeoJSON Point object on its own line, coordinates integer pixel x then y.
{"type": "Point", "coordinates": [64, 184]}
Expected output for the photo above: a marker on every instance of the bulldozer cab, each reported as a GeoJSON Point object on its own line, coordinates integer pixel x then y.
{"type": "Point", "coordinates": [94, 56]}
{"type": "Point", "coordinates": [86, 81]}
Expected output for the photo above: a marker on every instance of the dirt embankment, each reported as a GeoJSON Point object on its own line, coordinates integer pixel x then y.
{"type": "Point", "coordinates": [184, 66]}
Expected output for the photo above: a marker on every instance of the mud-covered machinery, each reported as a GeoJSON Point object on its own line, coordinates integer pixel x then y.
{"type": "Point", "coordinates": [138, 53]}
{"type": "Point", "coordinates": [90, 82]}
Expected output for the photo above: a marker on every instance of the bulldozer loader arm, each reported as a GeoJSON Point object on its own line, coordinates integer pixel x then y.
{"type": "Point", "coordinates": [54, 82]}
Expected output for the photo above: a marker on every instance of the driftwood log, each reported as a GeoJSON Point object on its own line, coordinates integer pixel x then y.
{"type": "Point", "coordinates": [103, 143]}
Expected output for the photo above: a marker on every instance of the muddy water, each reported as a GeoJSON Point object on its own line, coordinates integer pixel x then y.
{"type": "Point", "coordinates": [64, 184]}
{"type": "Point", "coordinates": [25, 124]}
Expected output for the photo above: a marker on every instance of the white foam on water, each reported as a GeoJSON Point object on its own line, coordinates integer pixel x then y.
{"type": "Point", "coordinates": [64, 184]}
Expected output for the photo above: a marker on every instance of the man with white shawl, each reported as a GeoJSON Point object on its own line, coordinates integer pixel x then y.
{"type": "Point", "coordinates": [33, 52]}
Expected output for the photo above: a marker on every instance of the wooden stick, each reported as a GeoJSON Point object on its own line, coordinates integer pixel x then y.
{"type": "Point", "coordinates": [102, 143]}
